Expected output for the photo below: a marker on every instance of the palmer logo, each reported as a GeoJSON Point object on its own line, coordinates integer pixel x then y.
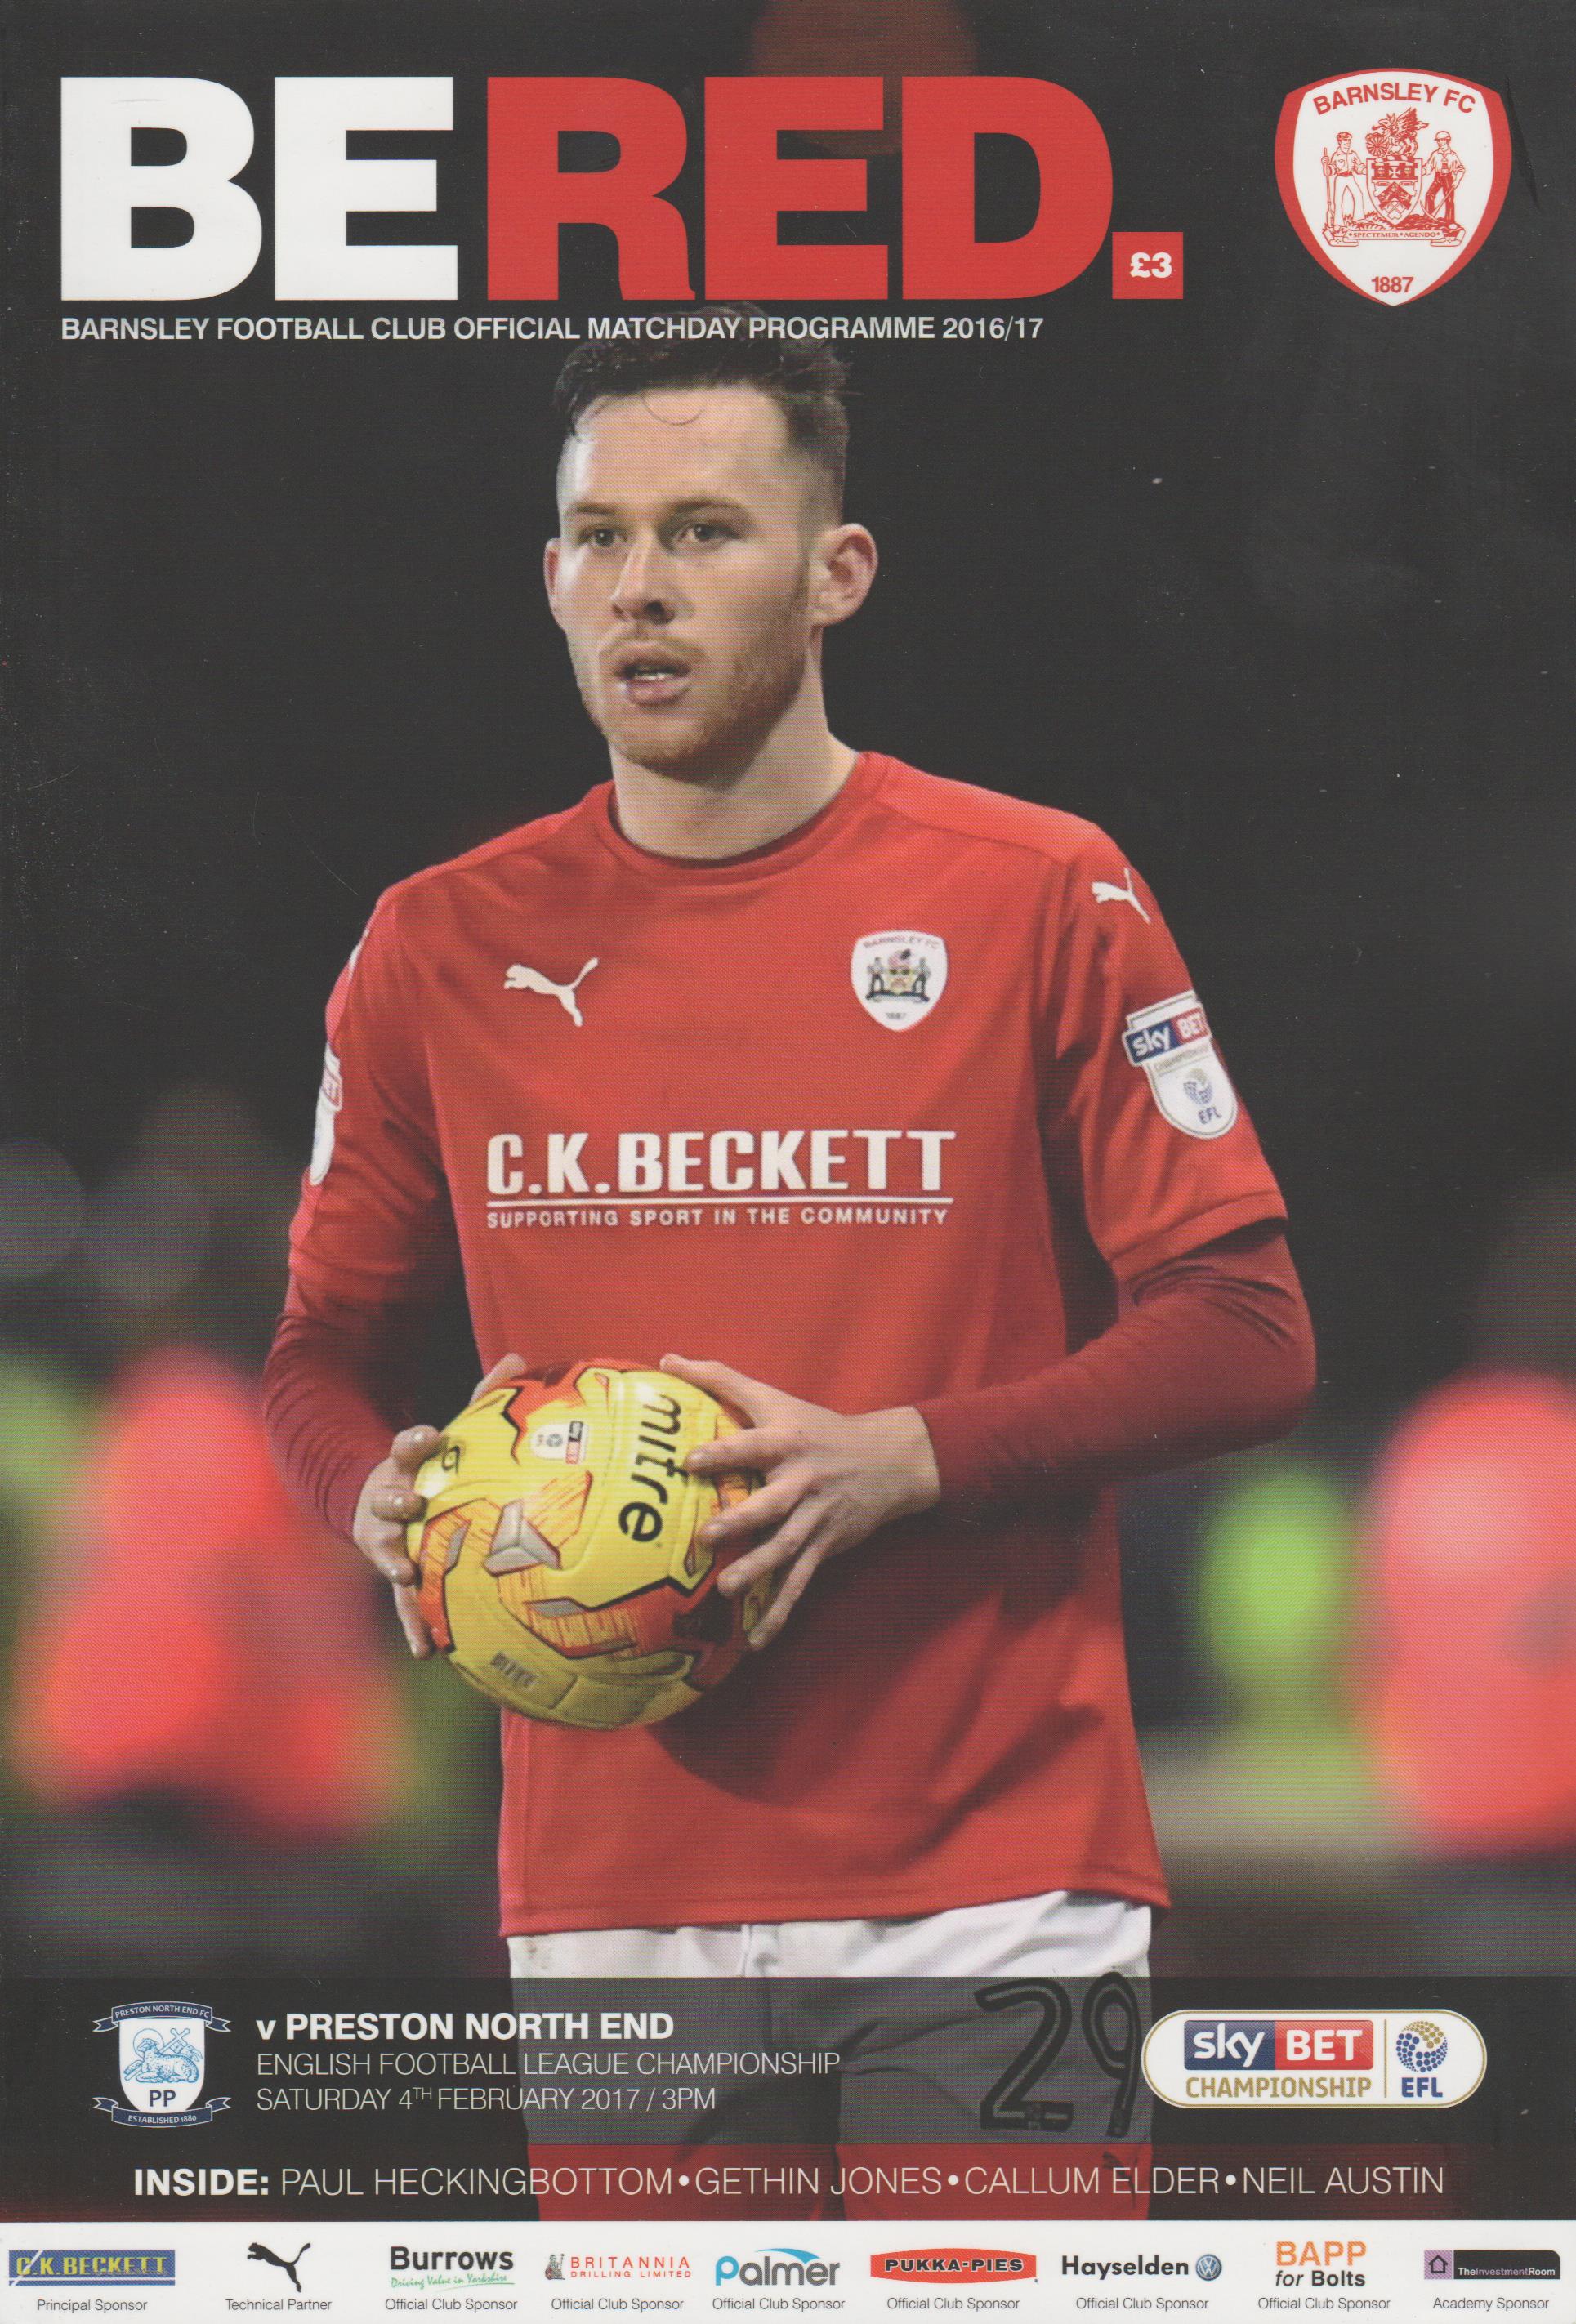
{"type": "Point", "coordinates": [954, 2263]}
{"type": "Point", "coordinates": [779, 2264]}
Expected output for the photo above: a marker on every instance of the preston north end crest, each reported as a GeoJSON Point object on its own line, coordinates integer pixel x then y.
{"type": "Point", "coordinates": [162, 2063]}
{"type": "Point", "coordinates": [899, 974]}
{"type": "Point", "coordinates": [1393, 179]}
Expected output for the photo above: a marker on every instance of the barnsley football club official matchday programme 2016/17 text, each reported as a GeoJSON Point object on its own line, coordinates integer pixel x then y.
{"type": "Point", "coordinates": [816, 756]}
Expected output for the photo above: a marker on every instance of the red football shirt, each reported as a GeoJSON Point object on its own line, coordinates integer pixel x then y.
{"type": "Point", "coordinates": [879, 1114]}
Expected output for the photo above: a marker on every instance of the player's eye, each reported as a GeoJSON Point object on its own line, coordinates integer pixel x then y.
{"type": "Point", "coordinates": [705, 531]}
{"type": "Point", "coordinates": [596, 536]}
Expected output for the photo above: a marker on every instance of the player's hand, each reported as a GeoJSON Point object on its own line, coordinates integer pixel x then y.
{"type": "Point", "coordinates": [390, 1502]}
{"type": "Point", "coordinates": [831, 1479]}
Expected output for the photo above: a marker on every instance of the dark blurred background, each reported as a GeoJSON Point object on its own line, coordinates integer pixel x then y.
{"type": "Point", "coordinates": [1273, 582]}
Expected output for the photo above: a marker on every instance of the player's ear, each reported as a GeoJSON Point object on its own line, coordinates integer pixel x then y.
{"type": "Point", "coordinates": [552, 554]}
{"type": "Point", "coordinates": [842, 565]}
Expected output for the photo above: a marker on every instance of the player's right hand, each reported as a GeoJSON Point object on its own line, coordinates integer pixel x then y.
{"type": "Point", "coordinates": [390, 1502]}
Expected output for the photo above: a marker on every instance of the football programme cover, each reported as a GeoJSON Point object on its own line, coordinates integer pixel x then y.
{"type": "Point", "coordinates": [825, 748]}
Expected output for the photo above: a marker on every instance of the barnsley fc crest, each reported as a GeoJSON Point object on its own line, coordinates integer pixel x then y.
{"type": "Point", "coordinates": [899, 975]}
{"type": "Point", "coordinates": [162, 2063]}
{"type": "Point", "coordinates": [1393, 179]}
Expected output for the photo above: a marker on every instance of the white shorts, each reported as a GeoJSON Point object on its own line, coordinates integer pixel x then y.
{"type": "Point", "coordinates": [993, 2022]}
{"type": "Point", "coordinates": [1065, 1933]}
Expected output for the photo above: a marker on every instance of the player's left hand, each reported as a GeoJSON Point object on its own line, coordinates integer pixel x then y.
{"type": "Point", "coordinates": [831, 1478]}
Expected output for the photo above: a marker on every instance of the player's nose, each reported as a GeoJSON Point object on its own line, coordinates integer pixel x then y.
{"type": "Point", "coordinates": [643, 591]}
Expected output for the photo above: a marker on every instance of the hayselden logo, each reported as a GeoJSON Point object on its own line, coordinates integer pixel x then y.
{"type": "Point", "coordinates": [957, 2263]}
{"type": "Point", "coordinates": [780, 2264]}
{"type": "Point", "coordinates": [162, 2048]}
{"type": "Point", "coordinates": [1142, 2263]}
{"type": "Point", "coordinates": [54, 2268]}
{"type": "Point", "coordinates": [1393, 178]}
{"type": "Point", "coordinates": [1320, 2057]}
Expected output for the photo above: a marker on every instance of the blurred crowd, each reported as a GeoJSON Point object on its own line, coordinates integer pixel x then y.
{"type": "Point", "coordinates": [1354, 1663]}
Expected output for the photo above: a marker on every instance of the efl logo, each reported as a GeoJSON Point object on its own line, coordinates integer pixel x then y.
{"type": "Point", "coordinates": [1284, 2043]}
{"type": "Point", "coordinates": [958, 2264]}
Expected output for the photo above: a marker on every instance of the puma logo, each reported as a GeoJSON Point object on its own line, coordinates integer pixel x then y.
{"type": "Point", "coordinates": [1104, 893]}
{"type": "Point", "coordinates": [260, 2251]}
{"type": "Point", "coordinates": [521, 979]}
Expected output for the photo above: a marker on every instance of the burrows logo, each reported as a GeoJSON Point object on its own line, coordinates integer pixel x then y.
{"type": "Point", "coordinates": [1393, 178]}
{"type": "Point", "coordinates": [161, 2064]}
{"type": "Point", "coordinates": [433, 2270]}
{"type": "Point", "coordinates": [955, 2264]}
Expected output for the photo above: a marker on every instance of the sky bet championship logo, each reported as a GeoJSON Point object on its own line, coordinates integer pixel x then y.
{"type": "Point", "coordinates": [1318, 2058]}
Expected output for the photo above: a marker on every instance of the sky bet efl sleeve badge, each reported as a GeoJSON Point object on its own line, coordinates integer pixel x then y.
{"type": "Point", "coordinates": [1172, 1043]}
{"type": "Point", "coordinates": [1394, 179]}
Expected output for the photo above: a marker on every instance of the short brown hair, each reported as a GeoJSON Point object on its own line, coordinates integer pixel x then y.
{"type": "Point", "coordinates": [803, 378]}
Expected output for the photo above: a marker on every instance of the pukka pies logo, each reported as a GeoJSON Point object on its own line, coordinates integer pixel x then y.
{"type": "Point", "coordinates": [1394, 179]}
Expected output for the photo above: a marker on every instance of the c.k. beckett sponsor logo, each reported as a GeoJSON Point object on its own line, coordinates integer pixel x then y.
{"type": "Point", "coordinates": [50, 2270]}
{"type": "Point", "coordinates": [954, 2263]}
{"type": "Point", "coordinates": [779, 2264]}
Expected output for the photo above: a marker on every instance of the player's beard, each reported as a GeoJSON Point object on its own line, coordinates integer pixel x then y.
{"type": "Point", "coordinates": [722, 728]}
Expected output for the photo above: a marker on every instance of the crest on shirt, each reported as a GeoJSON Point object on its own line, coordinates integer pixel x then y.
{"type": "Point", "coordinates": [330, 1098]}
{"type": "Point", "coordinates": [898, 974]}
{"type": "Point", "coordinates": [1393, 179]}
{"type": "Point", "coordinates": [1171, 1042]}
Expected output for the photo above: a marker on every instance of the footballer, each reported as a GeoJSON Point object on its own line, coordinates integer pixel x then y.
{"type": "Point", "coordinates": [880, 1105]}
